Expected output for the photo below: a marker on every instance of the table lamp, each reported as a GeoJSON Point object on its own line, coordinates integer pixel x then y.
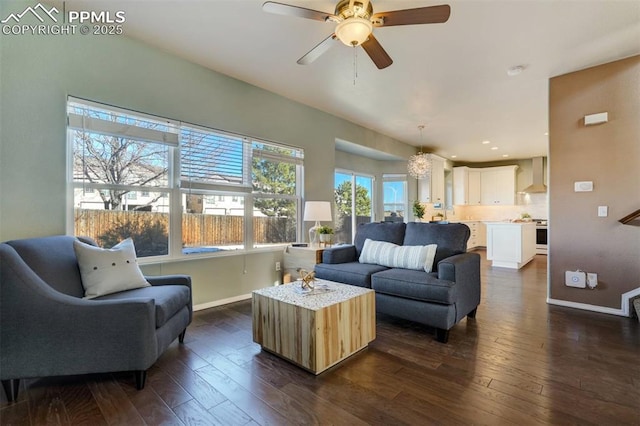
{"type": "Point", "coordinates": [316, 211]}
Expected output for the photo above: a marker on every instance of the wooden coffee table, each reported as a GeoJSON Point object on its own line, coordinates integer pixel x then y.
{"type": "Point", "coordinates": [314, 331]}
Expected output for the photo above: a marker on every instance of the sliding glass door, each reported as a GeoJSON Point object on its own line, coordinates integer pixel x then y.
{"type": "Point", "coordinates": [354, 203]}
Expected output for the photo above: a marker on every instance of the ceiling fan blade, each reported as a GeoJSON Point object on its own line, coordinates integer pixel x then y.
{"type": "Point", "coordinates": [420, 15]}
{"type": "Point", "coordinates": [320, 48]}
{"type": "Point", "coordinates": [300, 12]}
{"type": "Point", "coordinates": [377, 54]}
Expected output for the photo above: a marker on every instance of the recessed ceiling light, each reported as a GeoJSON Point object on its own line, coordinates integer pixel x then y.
{"type": "Point", "coordinates": [546, 133]}
{"type": "Point", "coordinates": [494, 148]}
{"type": "Point", "coordinates": [454, 156]}
{"type": "Point", "coordinates": [485, 142]}
{"type": "Point", "coordinates": [515, 70]}
{"type": "Point", "coordinates": [505, 155]}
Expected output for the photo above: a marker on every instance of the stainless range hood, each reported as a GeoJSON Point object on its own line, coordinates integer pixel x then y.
{"type": "Point", "coordinates": [538, 176]}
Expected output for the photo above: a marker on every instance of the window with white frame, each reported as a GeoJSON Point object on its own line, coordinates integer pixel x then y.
{"type": "Point", "coordinates": [394, 195]}
{"type": "Point", "coordinates": [177, 189]}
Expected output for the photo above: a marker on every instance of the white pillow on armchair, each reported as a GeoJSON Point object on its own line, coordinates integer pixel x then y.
{"type": "Point", "coordinates": [106, 271]}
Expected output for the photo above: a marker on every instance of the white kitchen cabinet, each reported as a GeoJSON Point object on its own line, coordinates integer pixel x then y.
{"type": "Point", "coordinates": [431, 189]}
{"type": "Point", "coordinates": [478, 234]}
{"type": "Point", "coordinates": [475, 192]}
{"type": "Point", "coordinates": [473, 238]}
{"type": "Point", "coordinates": [481, 236]}
{"type": "Point", "coordinates": [498, 186]}
{"type": "Point", "coordinates": [460, 186]}
{"type": "Point", "coordinates": [466, 186]}
{"type": "Point", "coordinates": [511, 245]}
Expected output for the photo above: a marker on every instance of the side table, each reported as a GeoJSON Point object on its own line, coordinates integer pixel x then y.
{"type": "Point", "coordinates": [300, 258]}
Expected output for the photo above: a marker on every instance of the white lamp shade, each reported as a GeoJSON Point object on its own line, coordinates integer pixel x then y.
{"type": "Point", "coordinates": [315, 211]}
{"type": "Point", "coordinates": [354, 31]}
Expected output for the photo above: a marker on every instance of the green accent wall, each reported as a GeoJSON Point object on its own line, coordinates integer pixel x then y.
{"type": "Point", "coordinates": [37, 73]}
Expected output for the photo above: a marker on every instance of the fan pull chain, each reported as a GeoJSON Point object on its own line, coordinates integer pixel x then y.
{"type": "Point", "coordinates": [355, 64]}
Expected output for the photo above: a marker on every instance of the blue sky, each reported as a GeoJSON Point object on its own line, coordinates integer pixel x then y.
{"type": "Point", "coordinates": [394, 192]}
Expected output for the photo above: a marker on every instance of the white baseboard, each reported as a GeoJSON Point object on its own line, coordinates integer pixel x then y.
{"type": "Point", "coordinates": [626, 298]}
{"type": "Point", "coordinates": [221, 302]}
{"type": "Point", "coordinates": [624, 310]}
{"type": "Point", "coordinates": [586, 307]}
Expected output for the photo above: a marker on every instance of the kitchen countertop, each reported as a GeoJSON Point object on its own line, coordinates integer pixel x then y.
{"type": "Point", "coordinates": [504, 222]}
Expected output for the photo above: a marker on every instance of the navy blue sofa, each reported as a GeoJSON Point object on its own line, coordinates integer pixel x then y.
{"type": "Point", "coordinates": [438, 299]}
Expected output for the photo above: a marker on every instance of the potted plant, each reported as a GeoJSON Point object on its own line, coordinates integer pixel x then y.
{"type": "Point", "coordinates": [418, 210]}
{"type": "Point", "coordinates": [526, 217]}
{"type": "Point", "coordinates": [326, 234]}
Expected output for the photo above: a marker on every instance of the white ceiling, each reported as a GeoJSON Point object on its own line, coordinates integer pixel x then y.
{"type": "Point", "coordinates": [450, 77]}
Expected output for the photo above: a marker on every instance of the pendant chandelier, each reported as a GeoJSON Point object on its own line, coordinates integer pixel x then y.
{"type": "Point", "coordinates": [419, 164]}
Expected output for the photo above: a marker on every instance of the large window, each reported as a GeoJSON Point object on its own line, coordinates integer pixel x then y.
{"type": "Point", "coordinates": [178, 189]}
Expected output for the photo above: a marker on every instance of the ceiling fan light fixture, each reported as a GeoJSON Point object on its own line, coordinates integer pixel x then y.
{"type": "Point", "coordinates": [354, 31]}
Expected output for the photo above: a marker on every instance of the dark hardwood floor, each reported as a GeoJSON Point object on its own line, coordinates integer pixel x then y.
{"type": "Point", "coordinates": [520, 361]}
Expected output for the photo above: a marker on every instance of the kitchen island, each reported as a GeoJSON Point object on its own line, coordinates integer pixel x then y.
{"type": "Point", "coordinates": [511, 244]}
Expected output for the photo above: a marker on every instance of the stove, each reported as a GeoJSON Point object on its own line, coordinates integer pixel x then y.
{"type": "Point", "coordinates": [541, 236]}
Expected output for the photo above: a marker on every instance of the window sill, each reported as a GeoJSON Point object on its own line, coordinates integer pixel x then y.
{"type": "Point", "coordinates": [205, 256]}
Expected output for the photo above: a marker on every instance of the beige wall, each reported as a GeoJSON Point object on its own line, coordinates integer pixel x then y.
{"type": "Point", "coordinates": [609, 156]}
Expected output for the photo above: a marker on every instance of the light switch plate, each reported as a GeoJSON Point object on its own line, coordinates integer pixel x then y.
{"type": "Point", "coordinates": [603, 211]}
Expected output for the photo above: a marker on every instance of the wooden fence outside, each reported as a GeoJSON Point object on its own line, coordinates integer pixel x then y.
{"type": "Point", "coordinates": [197, 229]}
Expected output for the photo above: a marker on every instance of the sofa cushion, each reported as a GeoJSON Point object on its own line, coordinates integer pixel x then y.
{"type": "Point", "coordinates": [395, 256]}
{"type": "Point", "coordinates": [417, 285]}
{"type": "Point", "coordinates": [169, 299]}
{"type": "Point", "coordinates": [353, 273]}
{"type": "Point", "coordinates": [106, 271]}
{"type": "Point", "coordinates": [451, 238]}
{"type": "Point", "coordinates": [380, 231]}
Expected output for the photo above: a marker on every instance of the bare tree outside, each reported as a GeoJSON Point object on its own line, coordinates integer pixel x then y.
{"type": "Point", "coordinates": [118, 167]}
{"type": "Point", "coordinates": [102, 158]}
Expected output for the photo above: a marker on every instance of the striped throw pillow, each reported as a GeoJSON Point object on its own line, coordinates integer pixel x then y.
{"type": "Point", "coordinates": [394, 256]}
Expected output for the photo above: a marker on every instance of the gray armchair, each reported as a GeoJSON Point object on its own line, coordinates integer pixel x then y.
{"type": "Point", "coordinates": [48, 329]}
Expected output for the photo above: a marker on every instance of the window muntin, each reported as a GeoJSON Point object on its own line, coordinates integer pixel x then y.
{"type": "Point", "coordinates": [124, 162]}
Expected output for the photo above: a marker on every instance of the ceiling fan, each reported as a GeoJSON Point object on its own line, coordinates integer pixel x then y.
{"type": "Point", "coordinates": [355, 21]}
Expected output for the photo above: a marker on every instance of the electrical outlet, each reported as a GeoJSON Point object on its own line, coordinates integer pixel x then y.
{"type": "Point", "coordinates": [592, 279]}
{"type": "Point", "coordinates": [277, 266]}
